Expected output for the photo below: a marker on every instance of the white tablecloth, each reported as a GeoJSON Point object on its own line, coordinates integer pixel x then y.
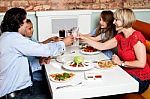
{"type": "Point", "coordinates": [114, 80]}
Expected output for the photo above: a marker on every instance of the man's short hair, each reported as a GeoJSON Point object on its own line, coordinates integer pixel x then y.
{"type": "Point", "coordinates": [13, 19]}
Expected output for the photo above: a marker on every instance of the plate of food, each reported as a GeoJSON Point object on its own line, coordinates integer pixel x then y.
{"type": "Point", "coordinates": [104, 64]}
{"type": "Point", "coordinates": [78, 63]}
{"type": "Point", "coordinates": [61, 77]}
{"type": "Point", "coordinates": [89, 50]}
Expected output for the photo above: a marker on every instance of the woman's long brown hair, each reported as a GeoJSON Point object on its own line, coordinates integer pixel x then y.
{"type": "Point", "coordinates": [109, 31]}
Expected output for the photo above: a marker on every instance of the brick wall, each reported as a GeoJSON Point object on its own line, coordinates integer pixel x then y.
{"type": "Point", "coordinates": [42, 5]}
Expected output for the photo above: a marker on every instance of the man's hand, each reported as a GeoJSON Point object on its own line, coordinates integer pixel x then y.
{"type": "Point", "coordinates": [54, 39]}
{"type": "Point", "coordinates": [44, 60]}
{"type": "Point", "coordinates": [68, 40]}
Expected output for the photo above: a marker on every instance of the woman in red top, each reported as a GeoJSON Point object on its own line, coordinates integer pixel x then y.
{"type": "Point", "coordinates": [131, 47]}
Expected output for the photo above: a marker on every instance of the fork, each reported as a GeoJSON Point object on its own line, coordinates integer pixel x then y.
{"type": "Point", "coordinates": [73, 85]}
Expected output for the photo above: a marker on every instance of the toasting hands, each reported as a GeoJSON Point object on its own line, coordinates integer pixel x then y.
{"type": "Point", "coordinates": [68, 40]}
{"type": "Point", "coordinates": [83, 38]}
{"type": "Point", "coordinates": [54, 39]}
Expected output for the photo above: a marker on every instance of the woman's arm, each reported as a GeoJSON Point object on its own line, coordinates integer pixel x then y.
{"type": "Point", "coordinates": [97, 38]}
{"type": "Point", "coordinates": [100, 46]}
{"type": "Point", "coordinates": [88, 35]}
{"type": "Point", "coordinates": [140, 52]}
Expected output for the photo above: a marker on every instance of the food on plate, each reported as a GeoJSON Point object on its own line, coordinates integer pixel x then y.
{"type": "Point", "coordinates": [72, 64]}
{"type": "Point", "coordinates": [62, 76]}
{"type": "Point", "coordinates": [89, 49]}
{"type": "Point", "coordinates": [105, 64]}
{"type": "Point", "coordinates": [78, 61]}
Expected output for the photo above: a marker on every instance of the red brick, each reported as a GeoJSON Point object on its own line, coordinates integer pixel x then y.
{"type": "Point", "coordinates": [34, 5]}
{"type": "Point", "coordinates": [19, 3]}
{"type": "Point", "coordinates": [4, 3]}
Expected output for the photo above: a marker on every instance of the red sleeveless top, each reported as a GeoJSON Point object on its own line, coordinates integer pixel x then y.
{"type": "Point", "coordinates": [126, 53]}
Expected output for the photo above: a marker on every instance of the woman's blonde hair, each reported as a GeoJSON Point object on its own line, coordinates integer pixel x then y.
{"type": "Point", "coordinates": [126, 16]}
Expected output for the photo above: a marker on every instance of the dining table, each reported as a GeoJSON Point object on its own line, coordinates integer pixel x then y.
{"type": "Point", "coordinates": [113, 81]}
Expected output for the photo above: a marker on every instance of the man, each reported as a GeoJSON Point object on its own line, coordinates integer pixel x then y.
{"type": "Point", "coordinates": [15, 80]}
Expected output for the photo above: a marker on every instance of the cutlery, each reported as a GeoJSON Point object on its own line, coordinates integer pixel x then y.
{"type": "Point", "coordinates": [72, 85]}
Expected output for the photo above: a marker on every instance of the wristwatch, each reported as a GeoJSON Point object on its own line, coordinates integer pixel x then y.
{"type": "Point", "coordinates": [122, 64]}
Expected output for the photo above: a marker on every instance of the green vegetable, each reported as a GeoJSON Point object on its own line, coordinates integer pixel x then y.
{"type": "Point", "coordinates": [66, 75]}
{"type": "Point", "coordinates": [60, 77]}
{"type": "Point", "coordinates": [63, 77]}
{"type": "Point", "coordinates": [78, 59]}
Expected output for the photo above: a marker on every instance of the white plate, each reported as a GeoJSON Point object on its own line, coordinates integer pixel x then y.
{"type": "Point", "coordinates": [88, 66]}
{"type": "Point", "coordinates": [89, 53]}
{"type": "Point", "coordinates": [61, 81]}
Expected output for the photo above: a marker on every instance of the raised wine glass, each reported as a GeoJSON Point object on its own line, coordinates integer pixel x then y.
{"type": "Point", "coordinates": [75, 33]}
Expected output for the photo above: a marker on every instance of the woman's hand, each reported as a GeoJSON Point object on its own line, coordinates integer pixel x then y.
{"type": "Point", "coordinates": [83, 38]}
{"type": "Point", "coordinates": [116, 60]}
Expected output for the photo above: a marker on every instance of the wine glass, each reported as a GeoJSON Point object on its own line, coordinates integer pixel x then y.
{"type": "Point", "coordinates": [75, 33]}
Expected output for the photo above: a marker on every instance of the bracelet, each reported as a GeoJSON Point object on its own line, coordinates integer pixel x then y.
{"type": "Point", "coordinates": [122, 64]}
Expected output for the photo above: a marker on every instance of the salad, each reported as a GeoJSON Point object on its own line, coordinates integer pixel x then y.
{"type": "Point", "coordinates": [61, 76]}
